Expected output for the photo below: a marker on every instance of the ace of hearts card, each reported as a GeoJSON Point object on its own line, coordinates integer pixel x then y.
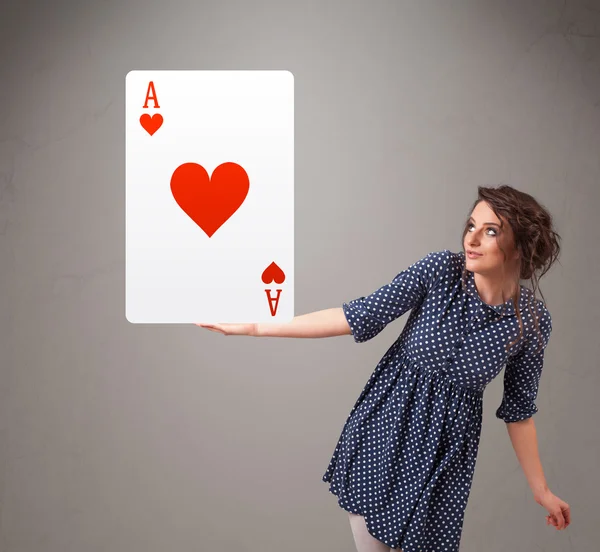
{"type": "Point", "coordinates": [209, 196]}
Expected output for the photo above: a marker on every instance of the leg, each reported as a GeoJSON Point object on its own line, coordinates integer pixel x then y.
{"type": "Point", "coordinates": [365, 542]}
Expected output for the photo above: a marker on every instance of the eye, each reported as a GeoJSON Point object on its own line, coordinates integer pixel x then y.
{"type": "Point", "coordinates": [490, 228]}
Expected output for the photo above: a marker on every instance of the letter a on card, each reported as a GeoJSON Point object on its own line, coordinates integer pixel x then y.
{"type": "Point", "coordinates": [209, 196]}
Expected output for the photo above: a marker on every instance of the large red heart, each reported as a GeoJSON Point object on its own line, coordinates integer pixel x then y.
{"type": "Point", "coordinates": [210, 201]}
{"type": "Point", "coordinates": [151, 123]}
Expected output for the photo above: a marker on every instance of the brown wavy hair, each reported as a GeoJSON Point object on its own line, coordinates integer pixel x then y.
{"type": "Point", "coordinates": [534, 237]}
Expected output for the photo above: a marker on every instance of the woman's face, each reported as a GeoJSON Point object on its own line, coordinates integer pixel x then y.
{"type": "Point", "coordinates": [484, 236]}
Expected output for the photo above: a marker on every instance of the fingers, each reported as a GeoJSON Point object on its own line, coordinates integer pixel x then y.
{"type": "Point", "coordinates": [212, 327]}
{"type": "Point", "coordinates": [560, 520]}
{"type": "Point", "coordinates": [567, 514]}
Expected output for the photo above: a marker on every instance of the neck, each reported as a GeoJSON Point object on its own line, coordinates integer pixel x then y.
{"type": "Point", "coordinates": [491, 288]}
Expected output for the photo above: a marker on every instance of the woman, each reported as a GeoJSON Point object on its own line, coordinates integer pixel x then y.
{"type": "Point", "coordinates": [404, 462]}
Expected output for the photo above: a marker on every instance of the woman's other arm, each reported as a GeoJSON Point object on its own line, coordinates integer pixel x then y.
{"type": "Point", "coordinates": [322, 323]}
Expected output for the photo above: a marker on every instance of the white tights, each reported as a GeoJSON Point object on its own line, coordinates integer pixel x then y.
{"type": "Point", "coordinates": [364, 541]}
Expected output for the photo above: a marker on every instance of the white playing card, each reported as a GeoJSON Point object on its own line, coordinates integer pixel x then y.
{"type": "Point", "coordinates": [209, 196]}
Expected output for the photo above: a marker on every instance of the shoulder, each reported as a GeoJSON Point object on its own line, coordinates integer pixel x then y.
{"type": "Point", "coordinates": [539, 321]}
{"type": "Point", "coordinates": [434, 262]}
{"type": "Point", "coordinates": [433, 266]}
{"type": "Point", "coordinates": [536, 309]}
{"type": "Point", "coordinates": [456, 260]}
{"type": "Point", "coordinates": [440, 259]}
{"type": "Point", "coordinates": [450, 264]}
{"type": "Point", "coordinates": [544, 317]}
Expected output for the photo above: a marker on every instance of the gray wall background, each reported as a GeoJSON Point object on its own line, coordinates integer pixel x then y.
{"type": "Point", "coordinates": [121, 437]}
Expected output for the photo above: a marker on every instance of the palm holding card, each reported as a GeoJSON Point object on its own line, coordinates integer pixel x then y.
{"type": "Point", "coordinates": [209, 196]}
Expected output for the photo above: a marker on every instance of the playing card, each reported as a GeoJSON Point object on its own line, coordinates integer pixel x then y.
{"type": "Point", "coordinates": [209, 196]}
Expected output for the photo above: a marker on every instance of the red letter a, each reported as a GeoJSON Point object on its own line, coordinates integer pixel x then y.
{"type": "Point", "coordinates": [151, 95]}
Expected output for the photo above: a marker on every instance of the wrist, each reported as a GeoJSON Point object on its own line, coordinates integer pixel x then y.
{"type": "Point", "coordinates": [539, 489]}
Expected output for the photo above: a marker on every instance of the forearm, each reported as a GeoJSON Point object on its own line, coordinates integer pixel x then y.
{"type": "Point", "coordinates": [523, 436]}
{"type": "Point", "coordinates": [323, 323]}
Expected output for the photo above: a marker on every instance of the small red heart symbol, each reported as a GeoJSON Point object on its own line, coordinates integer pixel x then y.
{"type": "Point", "coordinates": [209, 201]}
{"type": "Point", "coordinates": [273, 272]}
{"type": "Point", "coordinates": [151, 123]}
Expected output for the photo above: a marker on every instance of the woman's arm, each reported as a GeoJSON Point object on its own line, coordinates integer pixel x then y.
{"type": "Point", "coordinates": [524, 440]}
{"type": "Point", "coordinates": [323, 323]}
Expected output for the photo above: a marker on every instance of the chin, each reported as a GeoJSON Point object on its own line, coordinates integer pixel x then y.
{"type": "Point", "coordinates": [473, 265]}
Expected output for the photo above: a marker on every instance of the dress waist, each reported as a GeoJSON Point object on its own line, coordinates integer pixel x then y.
{"type": "Point", "coordinates": [423, 369]}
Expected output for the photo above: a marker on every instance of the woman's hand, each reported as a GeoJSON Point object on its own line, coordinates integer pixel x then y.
{"type": "Point", "coordinates": [232, 329]}
{"type": "Point", "coordinates": [559, 512]}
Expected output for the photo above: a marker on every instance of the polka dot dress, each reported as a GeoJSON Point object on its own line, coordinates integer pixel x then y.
{"type": "Point", "coordinates": [406, 455]}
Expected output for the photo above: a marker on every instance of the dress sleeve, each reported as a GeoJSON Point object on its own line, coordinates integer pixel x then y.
{"type": "Point", "coordinates": [522, 375]}
{"type": "Point", "coordinates": [367, 316]}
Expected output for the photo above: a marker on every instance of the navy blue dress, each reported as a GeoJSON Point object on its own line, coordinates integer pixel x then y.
{"type": "Point", "coordinates": [406, 455]}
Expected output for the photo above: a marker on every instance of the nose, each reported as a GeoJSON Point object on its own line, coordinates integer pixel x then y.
{"type": "Point", "coordinates": [472, 238]}
{"type": "Point", "coordinates": [472, 242]}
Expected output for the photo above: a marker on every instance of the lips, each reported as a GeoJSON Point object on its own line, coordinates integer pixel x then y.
{"type": "Point", "coordinates": [473, 253]}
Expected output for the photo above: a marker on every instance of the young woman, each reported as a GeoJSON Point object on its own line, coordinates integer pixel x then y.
{"type": "Point", "coordinates": [404, 462]}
